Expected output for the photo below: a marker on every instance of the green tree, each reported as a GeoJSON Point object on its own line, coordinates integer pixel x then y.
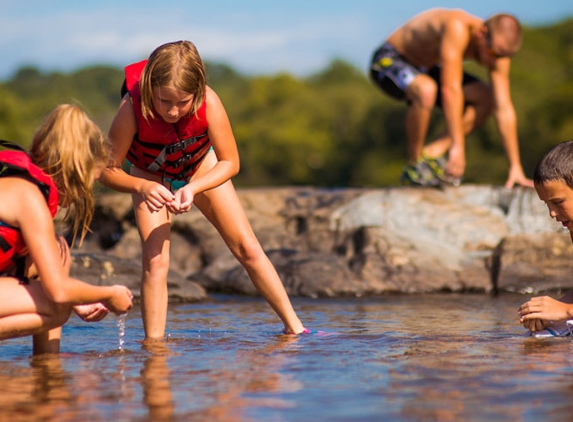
{"type": "Point", "coordinates": [333, 128]}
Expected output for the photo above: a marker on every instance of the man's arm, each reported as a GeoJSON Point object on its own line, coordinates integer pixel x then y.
{"type": "Point", "coordinates": [455, 38]}
{"type": "Point", "coordinates": [505, 116]}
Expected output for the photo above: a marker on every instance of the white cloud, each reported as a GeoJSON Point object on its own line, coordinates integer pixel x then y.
{"type": "Point", "coordinates": [69, 39]}
{"type": "Point", "coordinates": [299, 36]}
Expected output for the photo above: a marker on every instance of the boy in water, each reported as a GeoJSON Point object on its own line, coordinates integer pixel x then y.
{"type": "Point", "coordinates": [553, 179]}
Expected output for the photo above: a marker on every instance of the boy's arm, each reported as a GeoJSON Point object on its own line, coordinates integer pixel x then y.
{"type": "Point", "coordinates": [547, 309]}
{"type": "Point", "coordinates": [567, 298]}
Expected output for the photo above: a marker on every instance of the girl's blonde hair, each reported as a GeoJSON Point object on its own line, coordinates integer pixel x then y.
{"type": "Point", "coordinates": [178, 65]}
{"type": "Point", "coordinates": [69, 146]}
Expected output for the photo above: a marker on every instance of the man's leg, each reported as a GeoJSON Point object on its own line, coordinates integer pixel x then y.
{"type": "Point", "coordinates": [421, 96]}
{"type": "Point", "coordinates": [479, 103]}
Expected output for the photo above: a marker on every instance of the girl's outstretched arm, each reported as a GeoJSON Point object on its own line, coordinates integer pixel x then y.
{"type": "Point", "coordinates": [31, 215]}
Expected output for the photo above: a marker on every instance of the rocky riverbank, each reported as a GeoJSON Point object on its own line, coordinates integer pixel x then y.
{"type": "Point", "coordinates": [340, 242]}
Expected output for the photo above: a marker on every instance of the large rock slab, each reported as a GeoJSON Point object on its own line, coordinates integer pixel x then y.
{"type": "Point", "coordinates": [535, 262]}
{"type": "Point", "coordinates": [339, 242]}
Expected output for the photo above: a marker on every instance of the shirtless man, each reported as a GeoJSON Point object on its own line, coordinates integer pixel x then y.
{"type": "Point", "coordinates": [422, 64]}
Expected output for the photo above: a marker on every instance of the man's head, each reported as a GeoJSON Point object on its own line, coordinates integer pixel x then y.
{"type": "Point", "coordinates": [553, 179]}
{"type": "Point", "coordinates": [501, 35]}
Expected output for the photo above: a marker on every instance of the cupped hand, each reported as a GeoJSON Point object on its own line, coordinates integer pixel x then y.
{"type": "Point", "coordinates": [535, 324]}
{"type": "Point", "coordinates": [91, 312]}
{"type": "Point", "coordinates": [544, 308]}
{"type": "Point", "coordinates": [121, 300]}
{"type": "Point", "coordinates": [182, 202]}
{"type": "Point", "coordinates": [156, 196]}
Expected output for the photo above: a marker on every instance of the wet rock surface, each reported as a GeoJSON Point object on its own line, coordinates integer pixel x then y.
{"type": "Point", "coordinates": [351, 242]}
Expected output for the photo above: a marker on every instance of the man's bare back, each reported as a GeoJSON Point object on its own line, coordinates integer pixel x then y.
{"type": "Point", "coordinates": [421, 39]}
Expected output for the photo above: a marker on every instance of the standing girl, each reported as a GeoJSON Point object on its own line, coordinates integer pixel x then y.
{"type": "Point", "coordinates": [67, 154]}
{"type": "Point", "coordinates": [175, 132]}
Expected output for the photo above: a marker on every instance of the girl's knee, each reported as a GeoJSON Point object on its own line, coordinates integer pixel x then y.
{"type": "Point", "coordinates": [156, 263]}
{"type": "Point", "coordinates": [58, 314]}
{"type": "Point", "coordinates": [249, 250]}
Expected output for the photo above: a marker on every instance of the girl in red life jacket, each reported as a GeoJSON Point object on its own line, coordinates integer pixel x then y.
{"type": "Point", "coordinates": [67, 154]}
{"type": "Point", "coordinates": [173, 128]}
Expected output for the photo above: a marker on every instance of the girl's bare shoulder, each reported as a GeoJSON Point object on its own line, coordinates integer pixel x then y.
{"type": "Point", "coordinates": [19, 197]}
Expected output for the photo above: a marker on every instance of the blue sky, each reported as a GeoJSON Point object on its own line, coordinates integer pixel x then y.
{"type": "Point", "coordinates": [254, 36]}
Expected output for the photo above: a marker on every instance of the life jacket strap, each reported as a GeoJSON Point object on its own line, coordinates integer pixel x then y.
{"type": "Point", "coordinates": [12, 145]}
{"type": "Point", "coordinates": [171, 149]}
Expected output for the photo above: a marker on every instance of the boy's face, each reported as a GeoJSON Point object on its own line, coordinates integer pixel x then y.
{"type": "Point", "coordinates": [559, 199]}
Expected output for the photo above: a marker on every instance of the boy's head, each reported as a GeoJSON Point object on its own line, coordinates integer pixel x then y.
{"type": "Point", "coordinates": [556, 164]}
{"type": "Point", "coordinates": [553, 179]}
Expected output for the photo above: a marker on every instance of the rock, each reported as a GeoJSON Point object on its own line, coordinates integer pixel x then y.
{"type": "Point", "coordinates": [535, 262]}
{"type": "Point", "coordinates": [340, 242]}
{"type": "Point", "coordinates": [103, 269]}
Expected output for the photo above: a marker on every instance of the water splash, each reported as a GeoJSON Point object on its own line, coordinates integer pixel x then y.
{"type": "Point", "coordinates": [121, 326]}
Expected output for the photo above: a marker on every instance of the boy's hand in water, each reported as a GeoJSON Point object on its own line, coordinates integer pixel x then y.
{"type": "Point", "coordinates": [543, 308]}
{"type": "Point", "coordinates": [535, 324]}
{"type": "Point", "coordinates": [120, 301]}
{"type": "Point", "coordinates": [91, 312]}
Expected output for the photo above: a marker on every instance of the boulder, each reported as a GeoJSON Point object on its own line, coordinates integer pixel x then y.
{"type": "Point", "coordinates": [341, 242]}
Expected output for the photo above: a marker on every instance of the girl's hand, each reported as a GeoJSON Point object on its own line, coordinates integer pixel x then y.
{"type": "Point", "coordinates": [121, 300]}
{"type": "Point", "coordinates": [155, 195]}
{"type": "Point", "coordinates": [183, 201]}
{"type": "Point", "coordinates": [91, 312]}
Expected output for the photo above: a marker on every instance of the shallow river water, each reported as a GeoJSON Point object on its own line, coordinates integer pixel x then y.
{"type": "Point", "coordinates": [397, 358]}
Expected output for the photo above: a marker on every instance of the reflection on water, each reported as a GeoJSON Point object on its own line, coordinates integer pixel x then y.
{"type": "Point", "coordinates": [431, 357]}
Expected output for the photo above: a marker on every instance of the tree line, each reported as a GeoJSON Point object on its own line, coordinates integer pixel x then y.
{"type": "Point", "coordinates": [333, 128]}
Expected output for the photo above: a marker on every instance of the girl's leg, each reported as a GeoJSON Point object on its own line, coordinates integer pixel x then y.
{"type": "Point", "coordinates": [154, 230]}
{"type": "Point", "coordinates": [223, 209]}
{"type": "Point", "coordinates": [47, 341]}
{"type": "Point", "coordinates": [27, 311]}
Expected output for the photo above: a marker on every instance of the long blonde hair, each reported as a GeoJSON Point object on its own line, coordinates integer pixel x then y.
{"type": "Point", "coordinates": [175, 64]}
{"type": "Point", "coordinates": [69, 146]}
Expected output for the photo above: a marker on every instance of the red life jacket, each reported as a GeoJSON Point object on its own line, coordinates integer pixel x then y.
{"type": "Point", "coordinates": [170, 150]}
{"type": "Point", "coordinates": [18, 163]}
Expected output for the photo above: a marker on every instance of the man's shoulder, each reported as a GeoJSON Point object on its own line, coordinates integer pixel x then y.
{"type": "Point", "coordinates": [445, 18]}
